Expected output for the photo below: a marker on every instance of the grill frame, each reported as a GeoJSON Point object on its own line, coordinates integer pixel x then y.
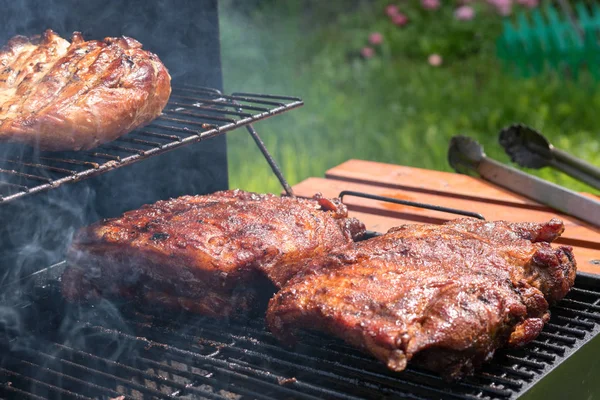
{"type": "Point", "coordinates": [255, 365]}
{"type": "Point", "coordinates": [200, 113]}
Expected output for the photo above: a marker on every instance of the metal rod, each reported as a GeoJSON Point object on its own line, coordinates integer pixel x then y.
{"type": "Point", "coordinates": [26, 176]}
{"type": "Point", "coordinates": [40, 166]}
{"type": "Point", "coordinates": [265, 96]}
{"type": "Point", "coordinates": [410, 203]}
{"type": "Point", "coordinates": [159, 135]}
{"type": "Point", "coordinates": [70, 161]}
{"type": "Point", "coordinates": [139, 141]}
{"type": "Point", "coordinates": [271, 161]}
{"type": "Point", "coordinates": [211, 109]}
{"type": "Point", "coordinates": [196, 115]}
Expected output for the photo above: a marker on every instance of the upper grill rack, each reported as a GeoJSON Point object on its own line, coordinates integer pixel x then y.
{"type": "Point", "coordinates": [192, 114]}
{"type": "Point", "coordinates": [198, 358]}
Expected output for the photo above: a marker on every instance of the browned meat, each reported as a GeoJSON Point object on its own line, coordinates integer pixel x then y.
{"type": "Point", "coordinates": [57, 95]}
{"type": "Point", "coordinates": [217, 254]}
{"type": "Point", "coordinates": [442, 296]}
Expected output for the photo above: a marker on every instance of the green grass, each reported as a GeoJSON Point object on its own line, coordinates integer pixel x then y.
{"type": "Point", "coordinates": [394, 108]}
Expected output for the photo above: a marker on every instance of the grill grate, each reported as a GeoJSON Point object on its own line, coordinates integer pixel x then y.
{"type": "Point", "coordinates": [192, 114]}
{"type": "Point", "coordinates": [140, 355]}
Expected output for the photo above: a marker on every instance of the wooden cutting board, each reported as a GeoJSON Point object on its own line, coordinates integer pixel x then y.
{"type": "Point", "coordinates": [442, 189]}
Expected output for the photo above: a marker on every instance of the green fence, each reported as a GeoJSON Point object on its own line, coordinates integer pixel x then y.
{"type": "Point", "coordinates": [545, 39]}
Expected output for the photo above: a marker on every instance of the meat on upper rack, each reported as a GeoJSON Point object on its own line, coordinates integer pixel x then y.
{"type": "Point", "coordinates": [60, 95]}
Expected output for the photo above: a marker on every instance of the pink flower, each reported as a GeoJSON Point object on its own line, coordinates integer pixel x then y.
{"type": "Point", "coordinates": [392, 10]}
{"type": "Point", "coordinates": [435, 60]}
{"type": "Point", "coordinates": [375, 38]}
{"type": "Point", "coordinates": [430, 4]}
{"type": "Point", "coordinates": [529, 3]}
{"type": "Point", "coordinates": [367, 52]}
{"type": "Point", "coordinates": [464, 13]}
{"type": "Point", "coordinates": [503, 7]}
{"type": "Point", "coordinates": [400, 19]}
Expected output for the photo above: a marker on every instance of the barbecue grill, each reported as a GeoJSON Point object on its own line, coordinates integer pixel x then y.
{"type": "Point", "coordinates": [118, 350]}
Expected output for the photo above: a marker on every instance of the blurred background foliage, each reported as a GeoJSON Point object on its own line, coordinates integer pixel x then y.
{"type": "Point", "coordinates": [390, 81]}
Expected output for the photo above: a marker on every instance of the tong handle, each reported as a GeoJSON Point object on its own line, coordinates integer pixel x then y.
{"type": "Point", "coordinates": [548, 193]}
{"type": "Point", "coordinates": [576, 167]}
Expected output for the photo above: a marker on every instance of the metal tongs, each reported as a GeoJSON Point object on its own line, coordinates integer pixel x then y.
{"type": "Point", "coordinates": [466, 156]}
{"type": "Point", "coordinates": [530, 149]}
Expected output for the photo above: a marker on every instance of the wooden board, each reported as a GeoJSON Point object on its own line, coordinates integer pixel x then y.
{"type": "Point", "coordinates": [444, 189]}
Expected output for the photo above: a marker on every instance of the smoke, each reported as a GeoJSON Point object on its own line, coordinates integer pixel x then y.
{"type": "Point", "coordinates": [35, 231]}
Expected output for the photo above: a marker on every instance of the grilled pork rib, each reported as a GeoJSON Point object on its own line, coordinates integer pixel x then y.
{"type": "Point", "coordinates": [57, 95]}
{"type": "Point", "coordinates": [217, 254]}
{"type": "Point", "coordinates": [444, 297]}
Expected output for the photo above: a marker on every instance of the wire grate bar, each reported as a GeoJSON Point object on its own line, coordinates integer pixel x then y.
{"type": "Point", "coordinates": [203, 125]}
{"type": "Point", "coordinates": [558, 338]}
{"type": "Point", "coordinates": [65, 377]}
{"type": "Point", "coordinates": [122, 148]}
{"type": "Point", "coordinates": [566, 330]}
{"type": "Point", "coordinates": [513, 371]}
{"type": "Point", "coordinates": [31, 381]}
{"type": "Point", "coordinates": [580, 313]}
{"type": "Point", "coordinates": [21, 394]}
{"type": "Point", "coordinates": [185, 130]}
{"type": "Point", "coordinates": [203, 107]}
{"type": "Point", "coordinates": [551, 347]}
{"type": "Point", "coordinates": [226, 105]}
{"type": "Point", "coordinates": [196, 378]}
{"type": "Point", "coordinates": [215, 110]}
{"type": "Point", "coordinates": [140, 141]}
{"type": "Point", "coordinates": [84, 370]}
{"type": "Point", "coordinates": [70, 161]}
{"type": "Point", "coordinates": [587, 325]}
{"type": "Point", "coordinates": [582, 304]}
{"type": "Point", "coordinates": [40, 166]}
{"type": "Point", "coordinates": [524, 362]}
{"type": "Point", "coordinates": [159, 135]}
{"type": "Point", "coordinates": [137, 372]}
{"type": "Point", "coordinates": [297, 359]}
{"type": "Point", "coordinates": [24, 175]}
{"type": "Point", "coordinates": [332, 377]}
{"type": "Point", "coordinates": [238, 99]}
{"type": "Point", "coordinates": [95, 154]}
{"type": "Point", "coordinates": [495, 380]}
{"type": "Point", "coordinates": [199, 89]}
{"type": "Point", "coordinates": [264, 96]}
{"type": "Point", "coordinates": [213, 362]}
{"type": "Point", "coordinates": [204, 116]}
{"type": "Point", "coordinates": [585, 291]}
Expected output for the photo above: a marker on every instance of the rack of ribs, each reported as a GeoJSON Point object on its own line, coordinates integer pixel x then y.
{"type": "Point", "coordinates": [219, 254]}
{"type": "Point", "coordinates": [444, 297]}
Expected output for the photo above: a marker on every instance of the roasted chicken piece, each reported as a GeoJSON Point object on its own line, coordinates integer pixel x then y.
{"type": "Point", "coordinates": [218, 254]}
{"type": "Point", "coordinates": [56, 95]}
{"type": "Point", "coordinates": [441, 296]}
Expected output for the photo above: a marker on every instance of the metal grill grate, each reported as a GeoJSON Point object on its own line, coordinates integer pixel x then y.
{"type": "Point", "coordinates": [197, 358]}
{"type": "Point", "coordinates": [192, 114]}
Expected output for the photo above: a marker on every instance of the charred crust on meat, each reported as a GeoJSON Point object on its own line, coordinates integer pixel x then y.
{"type": "Point", "coordinates": [459, 292]}
{"type": "Point", "coordinates": [215, 253]}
